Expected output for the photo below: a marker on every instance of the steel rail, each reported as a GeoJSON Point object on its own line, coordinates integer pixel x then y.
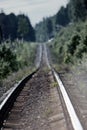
{"type": "Point", "coordinates": [70, 108]}
{"type": "Point", "coordinates": [8, 102]}
{"type": "Point", "coordinates": [73, 116]}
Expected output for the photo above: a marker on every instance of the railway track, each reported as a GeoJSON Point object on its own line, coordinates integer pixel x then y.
{"type": "Point", "coordinates": [39, 103]}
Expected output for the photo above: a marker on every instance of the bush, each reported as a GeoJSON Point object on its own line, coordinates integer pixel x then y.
{"type": "Point", "coordinates": [74, 43]}
{"type": "Point", "coordinates": [68, 59]}
{"type": "Point", "coordinates": [80, 50]}
{"type": "Point", "coordinates": [4, 69]}
{"type": "Point", "coordinates": [73, 40]}
{"type": "Point", "coordinates": [8, 61]}
{"type": "Point", "coordinates": [85, 41]}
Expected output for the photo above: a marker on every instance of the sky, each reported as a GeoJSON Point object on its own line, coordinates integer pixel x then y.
{"type": "Point", "coordinates": [35, 9]}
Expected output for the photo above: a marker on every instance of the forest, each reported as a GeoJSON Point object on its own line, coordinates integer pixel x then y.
{"type": "Point", "coordinates": [70, 42]}
{"type": "Point", "coordinates": [14, 27]}
{"type": "Point", "coordinates": [19, 27]}
{"type": "Point", "coordinates": [50, 26]}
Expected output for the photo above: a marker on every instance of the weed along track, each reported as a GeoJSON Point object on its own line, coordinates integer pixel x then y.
{"type": "Point", "coordinates": [39, 105]}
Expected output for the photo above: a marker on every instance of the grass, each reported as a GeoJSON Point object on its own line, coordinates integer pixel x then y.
{"type": "Point", "coordinates": [25, 56]}
{"type": "Point", "coordinates": [15, 77]}
{"type": "Point", "coordinates": [54, 84]}
{"type": "Point", "coordinates": [46, 69]}
{"type": "Point", "coordinates": [24, 53]}
{"type": "Point", "coordinates": [48, 112]}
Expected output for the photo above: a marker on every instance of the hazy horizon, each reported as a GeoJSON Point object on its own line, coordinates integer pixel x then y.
{"type": "Point", "coordinates": [36, 10]}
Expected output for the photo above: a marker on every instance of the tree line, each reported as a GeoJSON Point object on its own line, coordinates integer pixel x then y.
{"type": "Point", "coordinates": [16, 27]}
{"type": "Point", "coordinates": [13, 27]}
{"type": "Point", "coordinates": [74, 11]}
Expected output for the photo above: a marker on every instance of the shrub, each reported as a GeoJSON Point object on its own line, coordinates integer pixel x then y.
{"type": "Point", "coordinates": [82, 48]}
{"type": "Point", "coordinates": [74, 43]}
{"type": "Point", "coordinates": [8, 61]}
{"type": "Point", "coordinates": [68, 59]}
{"type": "Point", "coordinates": [85, 41]}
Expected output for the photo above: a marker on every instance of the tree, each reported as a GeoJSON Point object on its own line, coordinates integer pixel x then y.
{"type": "Point", "coordinates": [12, 26]}
{"type": "Point", "coordinates": [8, 24]}
{"type": "Point", "coordinates": [23, 27]}
{"type": "Point", "coordinates": [62, 17]}
{"type": "Point", "coordinates": [73, 44]}
{"type": "Point", "coordinates": [0, 34]}
{"type": "Point", "coordinates": [8, 61]}
{"type": "Point", "coordinates": [85, 2]}
{"type": "Point", "coordinates": [44, 29]}
{"type": "Point", "coordinates": [49, 26]}
{"type": "Point", "coordinates": [16, 27]}
{"type": "Point", "coordinates": [77, 9]}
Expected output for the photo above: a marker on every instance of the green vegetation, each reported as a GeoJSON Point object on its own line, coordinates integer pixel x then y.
{"type": "Point", "coordinates": [54, 84]}
{"type": "Point", "coordinates": [48, 28]}
{"type": "Point", "coordinates": [16, 62]}
{"type": "Point", "coordinates": [70, 44]}
{"type": "Point", "coordinates": [16, 27]}
{"type": "Point", "coordinates": [8, 61]}
{"type": "Point", "coordinates": [24, 54]}
{"type": "Point", "coordinates": [62, 17]}
{"type": "Point", "coordinates": [0, 35]}
{"type": "Point", "coordinates": [15, 56]}
{"type": "Point", "coordinates": [48, 112]}
{"type": "Point", "coordinates": [23, 27]}
{"type": "Point", "coordinates": [17, 53]}
{"type": "Point", "coordinates": [75, 11]}
{"type": "Point", "coordinates": [68, 26]}
{"type": "Point", "coordinates": [44, 30]}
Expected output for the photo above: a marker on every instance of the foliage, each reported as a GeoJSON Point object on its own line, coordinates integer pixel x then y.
{"type": "Point", "coordinates": [70, 44]}
{"type": "Point", "coordinates": [26, 54]}
{"type": "Point", "coordinates": [85, 3]}
{"type": "Point", "coordinates": [8, 61]}
{"type": "Point", "coordinates": [75, 41]}
{"type": "Point", "coordinates": [15, 56]}
{"type": "Point", "coordinates": [75, 11]}
{"type": "Point", "coordinates": [85, 41]}
{"type": "Point", "coordinates": [78, 10]}
{"type": "Point", "coordinates": [23, 27]}
{"type": "Point", "coordinates": [0, 34]}
{"type": "Point", "coordinates": [48, 28]}
{"type": "Point", "coordinates": [68, 58]}
{"type": "Point", "coordinates": [62, 17]}
{"type": "Point", "coordinates": [14, 27]}
{"type": "Point", "coordinates": [44, 30]}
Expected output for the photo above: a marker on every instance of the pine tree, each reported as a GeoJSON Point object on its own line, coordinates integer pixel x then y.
{"type": "Point", "coordinates": [78, 10]}
{"type": "Point", "coordinates": [0, 34]}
